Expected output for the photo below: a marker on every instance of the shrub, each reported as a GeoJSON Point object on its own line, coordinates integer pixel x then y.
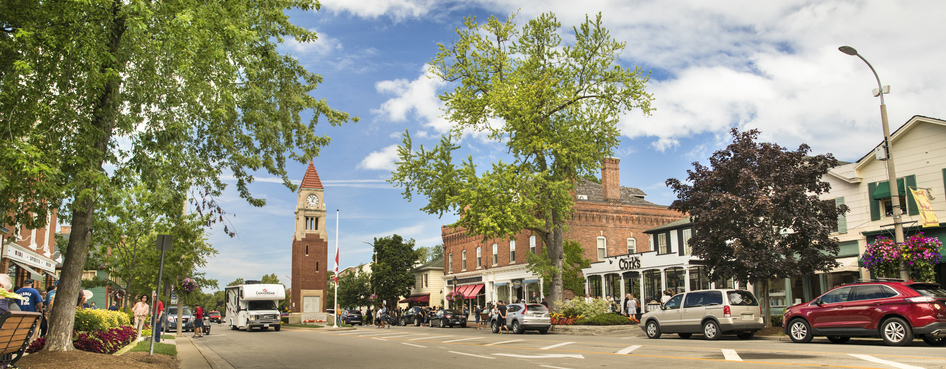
{"type": "Point", "coordinates": [605, 319]}
{"type": "Point", "coordinates": [90, 320]}
{"type": "Point", "coordinates": [102, 342]}
{"type": "Point", "coordinates": [577, 307]}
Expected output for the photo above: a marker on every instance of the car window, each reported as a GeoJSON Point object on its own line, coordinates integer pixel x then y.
{"type": "Point", "coordinates": [869, 292]}
{"type": "Point", "coordinates": [839, 295]}
{"type": "Point", "coordinates": [713, 298]}
{"type": "Point", "coordinates": [513, 308]}
{"type": "Point", "coordinates": [674, 302]}
{"type": "Point", "coordinates": [694, 299]}
{"type": "Point", "coordinates": [538, 308]}
{"type": "Point", "coordinates": [741, 298]}
{"type": "Point", "coordinates": [929, 290]}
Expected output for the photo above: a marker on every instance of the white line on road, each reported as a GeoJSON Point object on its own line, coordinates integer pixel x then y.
{"type": "Point", "coordinates": [463, 339]}
{"type": "Point", "coordinates": [403, 335]}
{"type": "Point", "coordinates": [411, 344]}
{"type": "Point", "coordinates": [352, 332]}
{"type": "Point", "coordinates": [379, 334]}
{"type": "Point", "coordinates": [881, 361]}
{"type": "Point", "coordinates": [548, 356]}
{"type": "Point", "coordinates": [427, 338]}
{"type": "Point", "coordinates": [731, 355]}
{"type": "Point", "coordinates": [628, 350]}
{"type": "Point", "coordinates": [553, 367]}
{"type": "Point", "coordinates": [502, 342]}
{"type": "Point", "coordinates": [463, 353]}
{"type": "Point", "coordinates": [555, 345]}
{"type": "Point", "coordinates": [376, 338]}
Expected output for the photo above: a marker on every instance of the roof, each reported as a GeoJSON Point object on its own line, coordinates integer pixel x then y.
{"type": "Point", "coordinates": [593, 191]}
{"type": "Point", "coordinates": [672, 225]}
{"type": "Point", "coordinates": [435, 264]}
{"type": "Point", "coordinates": [311, 179]}
{"type": "Point", "coordinates": [895, 135]}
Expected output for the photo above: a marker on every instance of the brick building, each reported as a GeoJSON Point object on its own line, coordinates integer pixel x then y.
{"type": "Point", "coordinates": [607, 220]}
{"type": "Point", "coordinates": [309, 251]}
{"type": "Point", "coordinates": [26, 253]}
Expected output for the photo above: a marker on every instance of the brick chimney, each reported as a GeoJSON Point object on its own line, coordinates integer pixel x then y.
{"type": "Point", "coordinates": [610, 180]}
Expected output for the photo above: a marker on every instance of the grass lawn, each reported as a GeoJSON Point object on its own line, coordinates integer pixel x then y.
{"type": "Point", "coordinates": [159, 348]}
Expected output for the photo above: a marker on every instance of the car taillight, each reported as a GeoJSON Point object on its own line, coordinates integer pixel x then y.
{"type": "Point", "coordinates": [920, 299]}
{"type": "Point", "coordinates": [727, 313]}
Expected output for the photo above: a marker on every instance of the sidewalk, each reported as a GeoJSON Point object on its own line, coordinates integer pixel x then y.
{"type": "Point", "coordinates": [194, 355]}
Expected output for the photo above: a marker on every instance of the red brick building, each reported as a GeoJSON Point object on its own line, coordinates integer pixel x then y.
{"type": "Point", "coordinates": [309, 251]}
{"type": "Point", "coordinates": [27, 253]}
{"type": "Point", "coordinates": [607, 220]}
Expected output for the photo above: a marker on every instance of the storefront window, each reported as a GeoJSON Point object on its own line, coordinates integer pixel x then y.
{"type": "Point", "coordinates": [676, 279]}
{"type": "Point", "coordinates": [698, 279]}
{"type": "Point", "coordinates": [651, 286]}
{"type": "Point", "coordinates": [613, 286]}
{"type": "Point", "coordinates": [632, 284]}
{"type": "Point", "coordinates": [594, 286]}
{"type": "Point", "coordinates": [533, 292]}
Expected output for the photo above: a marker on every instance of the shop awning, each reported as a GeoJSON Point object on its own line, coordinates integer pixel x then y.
{"type": "Point", "coordinates": [527, 281]}
{"type": "Point", "coordinates": [848, 264]}
{"type": "Point", "coordinates": [33, 274]}
{"type": "Point", "coordinates": [424, 298]}
{"type": "Point", "coordinates": [497, 284]}
{"type": "Point", "coordinates": [472, 291]}
{"type": "Point", "coordinates": [883, 190]}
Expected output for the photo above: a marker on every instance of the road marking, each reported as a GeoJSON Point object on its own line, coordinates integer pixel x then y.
{"type": "Point", "coordinates": [403, 335]}
{"type": "Point", "coordinates": [628, 350]}
{"type": "Point", "coordinates": [352, 332]}
{"type": "Point", "coordinates": [553, 367]}
{"type": "Point", "coordinates": [463, 339]}
{"type": "Point", "coordinates": [549, 356]}
{"type": "Point", "coordinates": [731, 355]}
{"type": "Point", "coordinates": [463, 353]}
{"type": "Point", "coordinates": [379, 339]}
{"type": "Point", "coordinates": [500, 343]}
{"type": "Point", "coordinates": [427, 338]}
{"type": "Point", "coordinates": [380, 334]}
{"type": "Point", "coordinates": [411, 344]}
{"type": "Point", "coordinates": [556, 345]}
{"type": "Point", "coordinates": [881, 361]}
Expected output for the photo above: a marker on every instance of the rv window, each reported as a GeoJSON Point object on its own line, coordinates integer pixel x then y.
{"type": "Point", "coordinates": [262, 305]}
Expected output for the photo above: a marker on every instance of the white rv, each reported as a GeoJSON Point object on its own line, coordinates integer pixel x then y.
{"type": "Point", "coordinates": [254, 306]}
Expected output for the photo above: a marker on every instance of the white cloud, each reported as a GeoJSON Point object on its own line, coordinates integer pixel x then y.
{"type": "Point", "coordinates": [381, 160]}
{"type": "Point", "coordinates": [413, 99]}
{"type": "Point", "coordinates": [398, 9]}
{"type": "Point", "coordinates": [323, 46]}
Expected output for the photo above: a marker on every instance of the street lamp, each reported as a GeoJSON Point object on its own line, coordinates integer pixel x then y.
{"type": "Point", "coordinates": [891, 171]}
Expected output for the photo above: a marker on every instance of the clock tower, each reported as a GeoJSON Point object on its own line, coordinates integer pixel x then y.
{"type": "Point", "coordinates": [309, 251]}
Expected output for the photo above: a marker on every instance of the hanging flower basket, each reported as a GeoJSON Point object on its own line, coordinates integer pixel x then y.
{"type": "Point", "coordinates": [186, 286]}
{"type": "Point", "coordinates": [454, 296]}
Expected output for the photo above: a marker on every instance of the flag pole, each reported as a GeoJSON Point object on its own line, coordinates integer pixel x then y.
{"type": "Point", "coordinates": [336, 270]}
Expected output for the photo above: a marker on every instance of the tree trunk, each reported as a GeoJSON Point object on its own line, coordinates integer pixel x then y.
{"type": "Point", "coordinates": [557, 254]}
{"type": "Point", "coordinates": [62, 319]}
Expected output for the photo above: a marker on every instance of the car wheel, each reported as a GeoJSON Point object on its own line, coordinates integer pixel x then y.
{"type": "Point", "coordinates": [463, 325]}
{"type": "Point", "coordinates": [544, 331]}
{"type": "Point", "coordinates": [935, 342]}
{"type": "Point", "coordinates": [711, 330]}
{"type": "Point", "coordinates": [838, 339]}
{"type": "Point", "coordinates": [417, 322]}
{"type": "Point", "coordinates": [442, 325]}
{"type": "Point", "coordinates": [745, 335]}
{"type": "Point", "coordinates": [653, 329]}
{"type": "Point", "coordinates": [402, 322]}
{"type": "Point", "coordinates": [685, 335]}
{"type": "Point", "coordinates": [276, 328]}
{"type": "Point", "coordinates": [494, 326]}
{"type": "Point", "coordinates": [799, 331]}
{"type": "Point", "coordinates": [516, 328]}
{"type": "Point", "coordinates": [896, 332]}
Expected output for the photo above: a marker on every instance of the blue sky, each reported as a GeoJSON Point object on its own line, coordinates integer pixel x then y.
{"type": "Point", "coordinates": [774, 66]}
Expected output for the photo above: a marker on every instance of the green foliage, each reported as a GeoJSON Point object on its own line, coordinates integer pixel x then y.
{"type": "Point", "coordinates": [605, 319]}
{"type": "Point", "coordinates": [577, 307]}
{"type": "Point", "coordinates": [430, 253]}
{"type": "Point", "coordinates": [391, 275]}
{"type": "Point", "coordinates": [354, 289]}
{"type": "Point", "coordinates": [541, 265]}
{"type": "Point", "coordinates": [558, 104]}
{"type": "Point", "coordinates": [90, 320]}
{"type": "Point", "coordinates": [159, 348]}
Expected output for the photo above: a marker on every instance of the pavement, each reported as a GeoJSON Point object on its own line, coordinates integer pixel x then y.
{"type": "Point", "coordinates": [194, 355]}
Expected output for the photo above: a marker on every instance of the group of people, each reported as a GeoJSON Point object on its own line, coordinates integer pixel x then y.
{"type": "Point", "coordinates": [34, 300]}
{"type": "Point", "coordinates": [142, 311]}
{"type": "Point", "coordinates": [629, 307]}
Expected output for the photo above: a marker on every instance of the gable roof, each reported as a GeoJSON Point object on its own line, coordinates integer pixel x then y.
{"type": "Point", "coordinates": [311, 179]}
{"type": "Point", "coordinates": [895, 135]}
{"type": "Point", "coordinates": [682, 223]}
{"type": "Point", "coordinates": [435, 264]}
{"type": "Point", "coordinates": [593, 192]}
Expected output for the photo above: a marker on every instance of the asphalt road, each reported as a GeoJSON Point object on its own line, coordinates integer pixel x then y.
{"type": "Point", "coordinates": [413, 347]}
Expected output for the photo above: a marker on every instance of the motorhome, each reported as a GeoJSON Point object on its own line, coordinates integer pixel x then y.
{"type": "Point", "coordinates": [254, 305]}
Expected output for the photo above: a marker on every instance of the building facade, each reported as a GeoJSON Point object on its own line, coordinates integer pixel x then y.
{"type": "Point", "coordinates": [27, 253]}
{"type": "Point", "coordinates": [428, 286]}
{"type": "Point", "coordinates": [309, 251]}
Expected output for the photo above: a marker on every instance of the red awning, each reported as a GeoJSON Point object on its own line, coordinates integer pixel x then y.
{"type": "Point", "coordinates": [416, 299]}
{"type": "Point", "coordinates": [461, 289]}
{"type": "Point", "coordinates": [472, 291]}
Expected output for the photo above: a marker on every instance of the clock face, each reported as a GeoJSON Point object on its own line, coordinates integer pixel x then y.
{"type": "Point", "coordinates": [312, 201]}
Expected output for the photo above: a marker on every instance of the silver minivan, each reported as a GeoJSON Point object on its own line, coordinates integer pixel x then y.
{"type": "Point", "coordinates": [708, 312]}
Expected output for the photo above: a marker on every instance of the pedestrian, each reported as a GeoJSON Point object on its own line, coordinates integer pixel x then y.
{"type": "Point", "coordinates": [501, 319]}
{"type": "Point", "coordinates": [158, 316]}
{"type": "Point", "coordinates": [31, 301]}
{"type": "Point", "coordinates": [140, 311]}
{"type": "Point", "coordinates": [545, 303]}
{"type": "Point", "coordinates": [7, 304]}
{"type": "Point", "coordinates": [588, 298]}
{"type": "Point", "coordinates": [477, 313]}
{"type": "Point", "coordinates": [668, 293]}
{"type": "Point", "coordinates": [92, 305]}
{"type": "Point", "coordinates": [369, 317]}
{"type": "Point", "coordinates": [631, 306]}
{"type": "Point", "coordinates": [198, 322]}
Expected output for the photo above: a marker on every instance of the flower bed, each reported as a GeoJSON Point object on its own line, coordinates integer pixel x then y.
{"type": "Point", "coordinates": [102, 342]}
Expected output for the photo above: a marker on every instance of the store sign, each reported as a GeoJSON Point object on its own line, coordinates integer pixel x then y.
{"type": "Point", "coordinates": [517, 283]}
{"type": "Point", "coordinates": [630, 263]}
{"type": "Point", "coordinates": [18, 253]}
{"type": "Point", "coordinates": [469, 280]}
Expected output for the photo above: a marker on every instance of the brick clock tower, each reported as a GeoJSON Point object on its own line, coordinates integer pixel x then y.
{"type": "Point", "coordinates": [309, 250]}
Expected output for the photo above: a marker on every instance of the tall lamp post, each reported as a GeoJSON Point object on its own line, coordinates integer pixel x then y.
{"type": "Point", "coordinates": [891, 171]}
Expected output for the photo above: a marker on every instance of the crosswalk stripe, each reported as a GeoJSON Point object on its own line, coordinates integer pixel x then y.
{"type": "Point", "coordinates": [555, 345]}
{"type": "Point", "coordinates": [881, 361]}
{"type": "Point", "coordinates": [411, 344]}
{"type": "Point", "coordinates": [463, 353]}
{"type": "Point", "coordinates": [731, 355]}
{"type": "Point", "coordinates": [628, 350]}
{"type": "Point", "coordinates": [427, 338]}
{"type": "Point", "coordinates": [463, 339]}
{"type": "Point", "coordinates": [502, 342]}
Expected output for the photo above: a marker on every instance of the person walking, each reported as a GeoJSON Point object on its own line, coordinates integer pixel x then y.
{"type": "Point", "coordinates": [198, 322]}
{"type": "Point", "coordinates": [7, 304]}
{"type": "Point", "coordinates": [31, 302]}
{"type": "Point", "coordinates": [158, 320]}
{"type": "Point", "coordinates": [140, 311]}
{"type": "Point", "coordinates": [501, 320]}
{"type": "Point", "coordinates": [631, 306]}
{"type": "Point", "coordinates": [477, 313]}
{"type": "Point", "coordinates": [383, 317]}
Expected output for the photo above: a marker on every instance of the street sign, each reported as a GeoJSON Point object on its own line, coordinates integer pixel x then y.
{"type": "Point", "coordinates": [173, 299]}
{"type": "Point", "coordinates": [164, 242]}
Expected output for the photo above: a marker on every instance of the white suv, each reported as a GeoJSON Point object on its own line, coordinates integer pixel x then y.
{"type": "Point", "coordinates": [710, 312]}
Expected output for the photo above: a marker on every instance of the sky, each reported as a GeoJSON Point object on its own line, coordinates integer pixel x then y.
{"type": "Point", "coordinates": [714, 65]}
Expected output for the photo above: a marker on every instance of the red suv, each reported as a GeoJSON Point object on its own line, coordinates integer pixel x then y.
{"type": "Point", "coordinates": [890, 309]}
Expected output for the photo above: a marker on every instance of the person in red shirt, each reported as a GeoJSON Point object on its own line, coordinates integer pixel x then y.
{"type": "Point", "coordinates": [158, 320]}
{"type": "Point", "coordinates": [198, 321]}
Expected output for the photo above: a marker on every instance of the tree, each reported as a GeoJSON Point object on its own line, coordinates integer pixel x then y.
{"type": "Point", "coordinates": [354, 289]}
{"type": "Point", "coordinates": [270, 279]}
{"type": "Point", "coordinates": [575, 261]}
{"type": "Point", "coordinates": [392, 275]}
{"type": "Point", "coordinates": [174, 93]}
{"type": "Point", "coordinates": [554, 106]}
{"type": "Point", "coordinates": [430, 253]}
{"type": "Point", "coordinates": [757, 214]}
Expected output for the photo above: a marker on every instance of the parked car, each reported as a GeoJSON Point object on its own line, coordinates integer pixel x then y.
{"type": "Point", "coordinates": [448, 318]}
{"type": "Point", "coordinates": [523, 317]}
{"type": "Point", "coordinates": [352, 317]}
{"type": "Point", "coordinates": [171, 323]}
{"type": "Point", "coordinates": [710, 312]}
{"type": "Point", "coordinates": [893, 310]}
{"type": "Point", "coordinates": [214, 316]}
{"type": "Point", "coordinates": [413, 315]}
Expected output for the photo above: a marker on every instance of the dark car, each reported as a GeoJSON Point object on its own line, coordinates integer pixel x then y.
{"type": "Point", "coordinates": [352, 317]}
{"type": "Point", "coordinates": [448, 318]}
{"type": "Point", "coordinates": [893, 310]}
{"type": "Point", "coordinates": [171, 316]}
{"type": "Point", "coordinates": [413, 315]}
{"type": "Point", "coordinates": [214, 316]}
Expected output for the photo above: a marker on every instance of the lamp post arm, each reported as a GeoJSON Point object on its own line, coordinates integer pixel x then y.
{"type": "Point", "coordinates": [879, 86]}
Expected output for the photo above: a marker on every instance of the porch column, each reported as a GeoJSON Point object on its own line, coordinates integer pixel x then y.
{"type": "Point", "coordinates": [620, 298]}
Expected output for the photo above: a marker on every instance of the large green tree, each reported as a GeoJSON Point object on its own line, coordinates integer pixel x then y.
{"type": "Point", "coordinates": [354, 289]}
{"type": "Point", "coordinates": [575, 261]}
{"type": "Point", "coordinates": [392, 274]}
{"type": "Point", "coordinates": [173, 92]}
{"type": "Point", "coordinates": [430, 253]}
{"type": "Point", "coordinates": [757, 214]}
{"type": "Point", "coordinates": [554, 105]}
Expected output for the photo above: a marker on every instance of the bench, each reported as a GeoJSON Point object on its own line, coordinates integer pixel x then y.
{"type": "Point", "coordinates": [15, 328]}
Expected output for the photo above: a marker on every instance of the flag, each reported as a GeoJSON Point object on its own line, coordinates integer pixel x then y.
{"type": "Point", "coordinates": [336, 265]}
{"type": "Point", "coordinates": [927, 215]}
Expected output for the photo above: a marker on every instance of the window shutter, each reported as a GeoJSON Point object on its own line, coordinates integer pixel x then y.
{"type": "Point", "coordinates": [874, 204]}
{"type": "Point", "coordinates": [911, 202]}
{"type": "Point", "coordinates": [842, 219]}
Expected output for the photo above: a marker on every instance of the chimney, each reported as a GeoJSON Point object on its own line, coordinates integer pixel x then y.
{"type": "Point", "coordinates": [610, 180]}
